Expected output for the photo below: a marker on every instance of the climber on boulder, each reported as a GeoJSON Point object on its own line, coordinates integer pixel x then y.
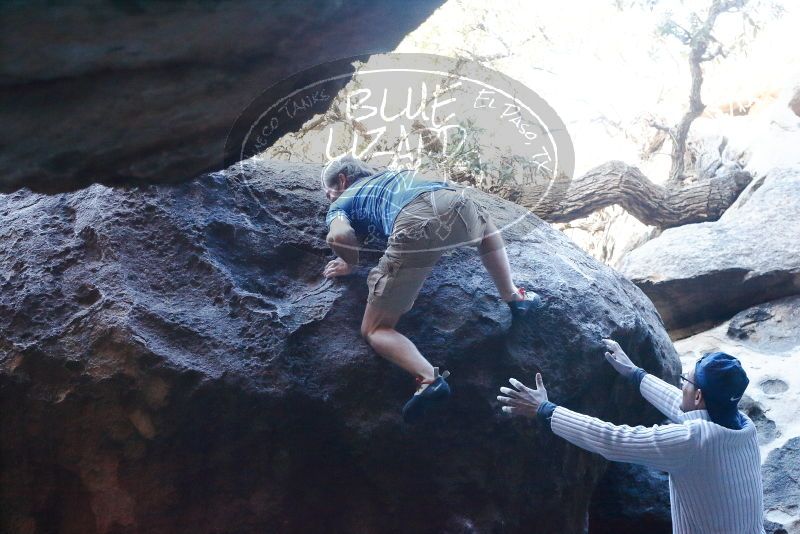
{"type": "Point", "coordinates": [422, 219]}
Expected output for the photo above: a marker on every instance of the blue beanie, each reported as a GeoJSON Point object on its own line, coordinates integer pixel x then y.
{"type": "Point", "coordinates": [721, 378]}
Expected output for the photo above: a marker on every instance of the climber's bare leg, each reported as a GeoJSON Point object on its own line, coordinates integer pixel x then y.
{"type": "Point", "coordinates": [493, 255]}
{"type": "Point", "coordinates": [377, 327]}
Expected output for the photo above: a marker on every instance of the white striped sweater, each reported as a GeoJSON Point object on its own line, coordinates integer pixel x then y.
{"type": "Point", "coordinates": [714, 472]}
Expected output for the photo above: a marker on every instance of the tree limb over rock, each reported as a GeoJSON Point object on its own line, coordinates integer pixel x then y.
{"type": "Point", "coordinates": [616, 182]}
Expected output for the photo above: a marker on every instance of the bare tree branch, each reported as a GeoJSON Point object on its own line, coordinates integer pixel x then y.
{"type": "Point", "coordinates": [616, 182]}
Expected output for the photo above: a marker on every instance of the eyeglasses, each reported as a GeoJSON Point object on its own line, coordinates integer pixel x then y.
{"type": "Point", "coordinates": [684, 380]}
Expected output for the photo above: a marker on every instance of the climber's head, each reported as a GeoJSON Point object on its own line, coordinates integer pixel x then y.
{"type": "Point", "coordinates": [716, 384]}
{"type": "Point", "coordinates": [340, 174]}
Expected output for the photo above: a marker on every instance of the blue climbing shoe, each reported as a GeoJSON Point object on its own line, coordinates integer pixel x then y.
{"type": "Point", "coordinates": [530, 301]}
{"type": "Point", "coordinates": [429, 392]}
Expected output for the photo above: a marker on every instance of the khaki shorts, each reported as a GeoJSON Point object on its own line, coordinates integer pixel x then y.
{"type": "Point", "coordinates": [426, 228]}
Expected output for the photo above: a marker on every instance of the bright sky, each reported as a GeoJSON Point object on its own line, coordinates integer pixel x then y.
{"type": "Point", "coordinates": [590, 60]}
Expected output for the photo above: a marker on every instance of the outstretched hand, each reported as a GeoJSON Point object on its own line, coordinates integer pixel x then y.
{"type": "Point", "coordinates": [523, 400]}
{"type": "Point", "coordinates": [337, 267]}
{"type": "Point", "coordinates": [618, 359]}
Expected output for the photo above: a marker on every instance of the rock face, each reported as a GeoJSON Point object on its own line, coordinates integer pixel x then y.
{"type": "Point", "coordinates": [771, 327]}
{"type": "Point", "coordinates": [700, 274]}
{"type": "Point", "coordinates": [631, 499]}
{"type": "Point", "coordinates": [774, 528]}
{"type": "Point", "coordinates": [781, 485]}
{"type": "Point", "coordinates": [766, 427]}
{"type": "Point", "coordinates": [171, 360]}
{"type": "Point", "coordinates": [147, 91]}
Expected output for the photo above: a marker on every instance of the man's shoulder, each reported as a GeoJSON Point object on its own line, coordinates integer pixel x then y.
{"type": "Point", "coordinates": [338, 204]}
{"type": "Point", "coordinates": [343, 204]}
{"type": "Point", "coordinates": [708, 430]}
{"type": "Point", "coordinates": [691, 430]}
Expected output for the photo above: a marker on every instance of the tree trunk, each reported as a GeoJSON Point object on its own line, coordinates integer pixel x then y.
{"type": "Point", "coordinates": [616, 182]}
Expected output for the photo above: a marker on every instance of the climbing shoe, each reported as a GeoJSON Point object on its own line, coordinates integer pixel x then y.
{"type": "Point", "coordinates": [429, 392]}
{"type": "Point", "coordinates": [530, 301]}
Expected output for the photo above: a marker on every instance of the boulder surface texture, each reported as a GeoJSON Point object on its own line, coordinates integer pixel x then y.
{"type": "Point", "coordinates": [171, 360]}
{"type": "Point", "coordinates": [781, 484]}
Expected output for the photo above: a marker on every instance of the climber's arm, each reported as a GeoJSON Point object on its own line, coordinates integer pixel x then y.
{"type": "Point", "coordinates": [342, 239]}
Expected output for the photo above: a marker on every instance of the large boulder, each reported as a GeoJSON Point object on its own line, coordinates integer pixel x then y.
{"type": "Point", "coordinates": [147, 91]}
{"type": "Point", "coordinates": [701, 274]}
{"type": "Point", "coordinates": [171, 360]}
